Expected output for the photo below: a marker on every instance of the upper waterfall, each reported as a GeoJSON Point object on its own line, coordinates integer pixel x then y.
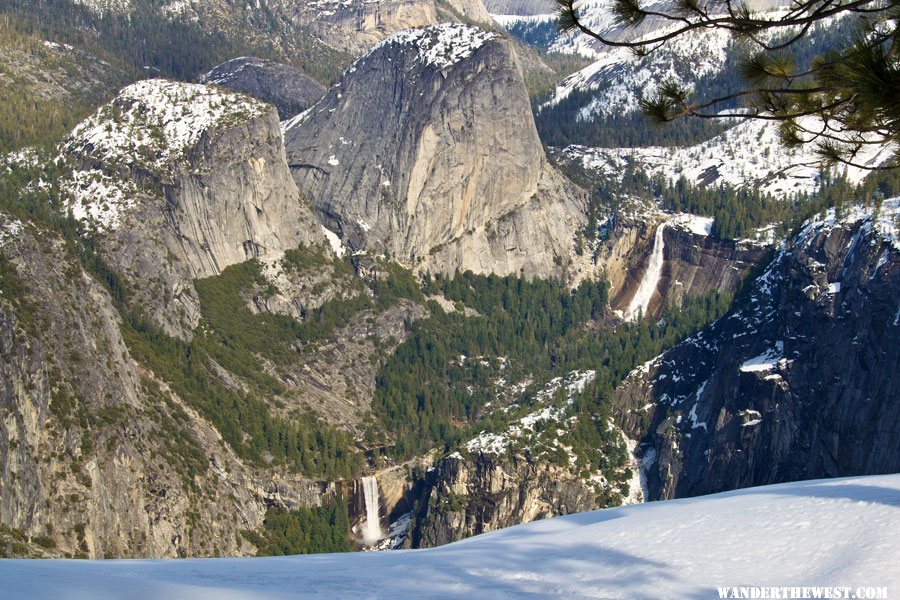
{"type": "Point", "coordinates": [641, 301]}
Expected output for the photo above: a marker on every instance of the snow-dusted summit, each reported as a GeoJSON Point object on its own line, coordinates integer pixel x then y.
{"type": "Point", "coordinates": [442, 46]}
{"type": "Point", "coordinates": [184, 180]}
{"type": "Point", "coordinates": [153, 122]}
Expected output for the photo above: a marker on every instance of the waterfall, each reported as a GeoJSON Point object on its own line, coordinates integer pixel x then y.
{"type": "Point", "coordinates": [641, 301]}
{"type": "Point", "coordinates": [372, 529]}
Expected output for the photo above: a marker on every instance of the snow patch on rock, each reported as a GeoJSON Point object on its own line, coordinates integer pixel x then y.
{"type": "Point", "coordinates": [694, 223]}
{"type": "Point", "coordinates": [9, 229]}
{"type": "Point", "coordinates": [884, 223]}
{"type": "Point", "coordinates": [98, 200]}
{"type": "Point", "coordinates": [766, 361]}
{"type": "Point", "coordinates": [335, 242]}
{"type": "Point", "coordinates": [441, 46]}
{"type": "Point", "coordinates": [152, 123]}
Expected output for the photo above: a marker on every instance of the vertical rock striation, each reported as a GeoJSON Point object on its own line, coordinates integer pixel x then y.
{"type": "Point", "coordinates": [97, 453]}
{"type": "Point", "coordinates": [426, 150]}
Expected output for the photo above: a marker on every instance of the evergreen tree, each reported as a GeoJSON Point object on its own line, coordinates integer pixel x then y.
{"type": "Point", "coordinates": [849, 91]}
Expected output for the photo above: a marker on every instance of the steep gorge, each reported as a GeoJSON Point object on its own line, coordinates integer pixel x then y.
{"type": "Point", "coordinates": [653, 260]}
{"type": "Point", "coordinates": [424, 152]}
{"type": "Point", "coordinates": [798, 383]}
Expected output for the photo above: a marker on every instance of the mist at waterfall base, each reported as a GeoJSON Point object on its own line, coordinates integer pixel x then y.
{"type": "Point", "coordinates": [371, 532]}
{"type": "Point", "coordinates": [838, 532]}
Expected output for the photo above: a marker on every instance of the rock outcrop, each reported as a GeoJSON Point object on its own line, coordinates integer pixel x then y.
{"type": "Point", "coordinates": [799, 383]}
{"type": "Point", "coordinates": [463, 497]}
{"type": "Point", "coordinates": [97, 454]}
{"type": "Point", "coordinates": [357, 25]}
{"type": "Point", "coordinates": [470, 10]}
{"type": "Point", "coordinates": [338, 376]}
{"type": "Point", "coordinates": [426, 150]}
{"type": "Point", "coordinates": [530, 470]}
{"type": "Point", "coordinates": [286, 88]}
{"type": "Point", "coordinates": [520, 7]}
{"type": "Point", "coordinates": [691, 262]}
{"type": "Point", "coordinates": [695, 263]}
{"type": "Point", "coordinates": [184, 180]}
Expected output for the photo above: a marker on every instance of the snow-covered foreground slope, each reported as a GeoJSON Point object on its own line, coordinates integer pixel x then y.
{"type": "Point", "coordinates": [840, 532]}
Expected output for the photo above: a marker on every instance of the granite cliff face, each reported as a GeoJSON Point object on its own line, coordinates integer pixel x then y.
{"type": "Point", "coordinates": [96, 452]}
{"type": "Point", "coordinates": [184, 180]}
{"type": "Point", "coordinates": [426, 150]}
{"type": "Point", "coordinates": [470, 10]}
{"type": "Point", "coordinates": [357, 25]}
{"type": "Point", "coordinates": [671, 256]}
{"type": "Point", "coordinates": [519, 7]}
{"type": "Point", "coordinates": [799, 383]}
{"type": "Point", "coordinates": [286, 88]}
{"type": "Point", "coordinates": [693, 263]}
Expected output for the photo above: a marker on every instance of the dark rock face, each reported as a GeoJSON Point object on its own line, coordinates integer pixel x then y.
{"type": "Point", "coordinates": [694, 264]}
{"type": "Point", "coordinates": [800, 383]}
{"type": "Point", "coordinates": [466, 496]}
{"type": "Point", "coordinates": [286, 88]}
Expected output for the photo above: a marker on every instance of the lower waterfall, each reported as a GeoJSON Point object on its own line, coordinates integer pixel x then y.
{"type": "Point", "coordinates": [641, 301]}
{"type": "Point", "coordinates": [372, 529]}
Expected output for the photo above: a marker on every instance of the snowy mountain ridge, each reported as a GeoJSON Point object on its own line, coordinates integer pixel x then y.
{"type": "Point", "coordinates": [747, 155]}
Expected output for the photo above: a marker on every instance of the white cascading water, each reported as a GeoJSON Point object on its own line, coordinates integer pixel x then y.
{"type": "Point", "coordinates": [641, 301]}
{"type": "Point", "coordinates": [372, 529]}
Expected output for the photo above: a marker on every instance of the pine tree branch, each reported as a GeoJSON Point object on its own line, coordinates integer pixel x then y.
{"type": "Point", "coordinates": [569, 20]}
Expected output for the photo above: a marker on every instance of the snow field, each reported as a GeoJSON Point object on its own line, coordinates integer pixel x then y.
{"type": "Point", "coordinates": [840, 532]}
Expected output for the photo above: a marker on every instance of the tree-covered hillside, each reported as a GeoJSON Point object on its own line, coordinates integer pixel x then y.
{"type": "Point", "coordinates": [59, 60]}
